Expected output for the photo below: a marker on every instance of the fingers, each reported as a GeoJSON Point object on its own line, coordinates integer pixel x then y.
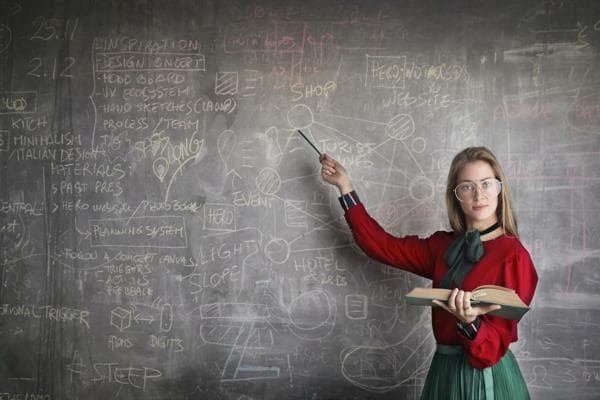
{"type": "Point", "coordinates": [463, 301]}
{"type": "Point", "coordinates": [326, 160]}
{"type": "Point", "coordinates": [328, 170]}
{"type": "Point", "coordinates": [462, 305]}
{"type": "Point", "coordinates": [460, 301]}
{"type": "Point", "coordinates": [334, 173]}
{"type": "Point", "coordinates": [452, 300]}
{"type": "Point", "coordinates": [328, 165]}
{"type": "Point", "coordinates": [459, 305]}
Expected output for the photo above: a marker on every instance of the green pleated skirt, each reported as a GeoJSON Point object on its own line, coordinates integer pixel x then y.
{"type": "Point", "coordinates": [451, 377]}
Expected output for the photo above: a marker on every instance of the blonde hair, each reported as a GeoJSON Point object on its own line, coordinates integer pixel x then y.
{"type": "Point", "coordinates": [504, 211]}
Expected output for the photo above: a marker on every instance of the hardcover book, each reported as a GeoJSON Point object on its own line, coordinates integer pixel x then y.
{"type": "Point", "coordinates": [512, 305]}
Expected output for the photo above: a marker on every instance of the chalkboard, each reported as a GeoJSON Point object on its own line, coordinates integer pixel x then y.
{"type": "Point", "coordinates": [165, 233]}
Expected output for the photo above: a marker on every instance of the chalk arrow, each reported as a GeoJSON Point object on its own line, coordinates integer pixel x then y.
{"type": "Point", "coordinates": [138, 318]}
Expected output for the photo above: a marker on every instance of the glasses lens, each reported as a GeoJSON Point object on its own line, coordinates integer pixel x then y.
{"type": "Point", "coordinates": [491, 187]}
{"type": "Point", "coordinates": [465, 191]}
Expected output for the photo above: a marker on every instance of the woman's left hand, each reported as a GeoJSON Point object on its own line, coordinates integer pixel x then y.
{"type": "Point", "coordinates": [459, 305]}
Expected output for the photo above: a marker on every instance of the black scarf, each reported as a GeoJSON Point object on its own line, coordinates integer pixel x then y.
{"type": "Point", "coordinates": [463, 253]}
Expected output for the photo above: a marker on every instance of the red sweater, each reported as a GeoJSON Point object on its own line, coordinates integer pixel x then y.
{"type": "Point", "coordinates": [506, 262]}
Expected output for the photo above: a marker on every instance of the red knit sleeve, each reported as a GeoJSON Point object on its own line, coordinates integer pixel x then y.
{"type": "Point", "coordinates": [495, 333]}
{"type": "Point", "coordinates": [409, 253]}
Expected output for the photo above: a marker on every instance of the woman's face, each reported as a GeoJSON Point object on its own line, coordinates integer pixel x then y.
{"type": "Point", "coordinates": [480, 210]}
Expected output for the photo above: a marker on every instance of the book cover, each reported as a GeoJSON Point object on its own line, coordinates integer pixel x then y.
{"type": "Point", "coordinates": [512, 306]}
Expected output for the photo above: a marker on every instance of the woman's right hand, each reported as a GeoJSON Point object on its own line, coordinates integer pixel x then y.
{"type": "Point", "coordinates": [335, 174]}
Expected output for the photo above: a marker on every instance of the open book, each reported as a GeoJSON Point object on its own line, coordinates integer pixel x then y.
{"type": "Point", "coordinates": [512, 306]}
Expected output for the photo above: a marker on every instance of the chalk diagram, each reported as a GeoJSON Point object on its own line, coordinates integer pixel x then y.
{"type": "Point", "coordinates": [378, 368]}
{"type": "Point", "coordinates": [122, 318]}
{"type": "Point", "coordinates": [246, 328]}
{"type": "Point", "coordinates": [398, 138]}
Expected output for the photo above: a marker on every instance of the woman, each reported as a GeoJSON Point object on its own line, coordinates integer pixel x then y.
{"type": "Point", "coordinates": [472, 359]}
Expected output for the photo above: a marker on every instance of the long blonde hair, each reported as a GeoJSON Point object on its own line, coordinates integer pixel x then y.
{"type": "Point", "coordinates": [504, 211]}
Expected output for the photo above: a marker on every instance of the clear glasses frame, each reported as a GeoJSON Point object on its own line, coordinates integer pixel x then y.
{"type": "Point", "coordinates": [466, 191]}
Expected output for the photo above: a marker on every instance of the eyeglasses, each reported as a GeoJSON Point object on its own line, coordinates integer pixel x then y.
{"type": "Point", "coordinates": [466, 191]}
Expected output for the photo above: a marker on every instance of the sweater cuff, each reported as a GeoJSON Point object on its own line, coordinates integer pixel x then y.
{"type": "Point", "coordinates": [469, 330]}
{"type": "Point", "coordinates": [349, 200]}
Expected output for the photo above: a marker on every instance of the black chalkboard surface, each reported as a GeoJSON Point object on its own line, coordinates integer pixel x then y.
{"type": "Point", "coordinates": [165, 234]}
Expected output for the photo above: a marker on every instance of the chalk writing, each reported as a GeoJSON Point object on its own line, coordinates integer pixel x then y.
{"type": "Point", "coordinates": [47, 312]}
{"type": "Point", "coordinates": [164, 232]}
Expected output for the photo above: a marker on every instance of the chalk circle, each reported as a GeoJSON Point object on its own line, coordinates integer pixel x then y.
{"type": "Point", "coordinates": [400, 127]}
{"type": "Point", "coordinates": [5, 38]}
{"type": "Point", "coordinates": [300, 116]}
{"type": "Point", "coordinates": [166, 318]}
{"type": "Point", "coordinates": [268, 181]}
{"type": "Point", "coordinates": [277, 251]}
{"type": "Point", "coordinates": [312, 315]}
{"type": "Point", "coordinates": [382, 374]}
{"type": "Point", "coordinates": [310, 310]}
{"type": "Point", "coordinates": [582, 115]}
{"type": "Point", "coordinates": [226, 144]}
{"type": "Point", "coordinates": [418, 145]}
{"type": "Point", "coordinates": [421, 189]}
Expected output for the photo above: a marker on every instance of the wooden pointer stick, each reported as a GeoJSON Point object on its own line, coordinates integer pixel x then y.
{"type": "Point", "coordinates": [309, 142]}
